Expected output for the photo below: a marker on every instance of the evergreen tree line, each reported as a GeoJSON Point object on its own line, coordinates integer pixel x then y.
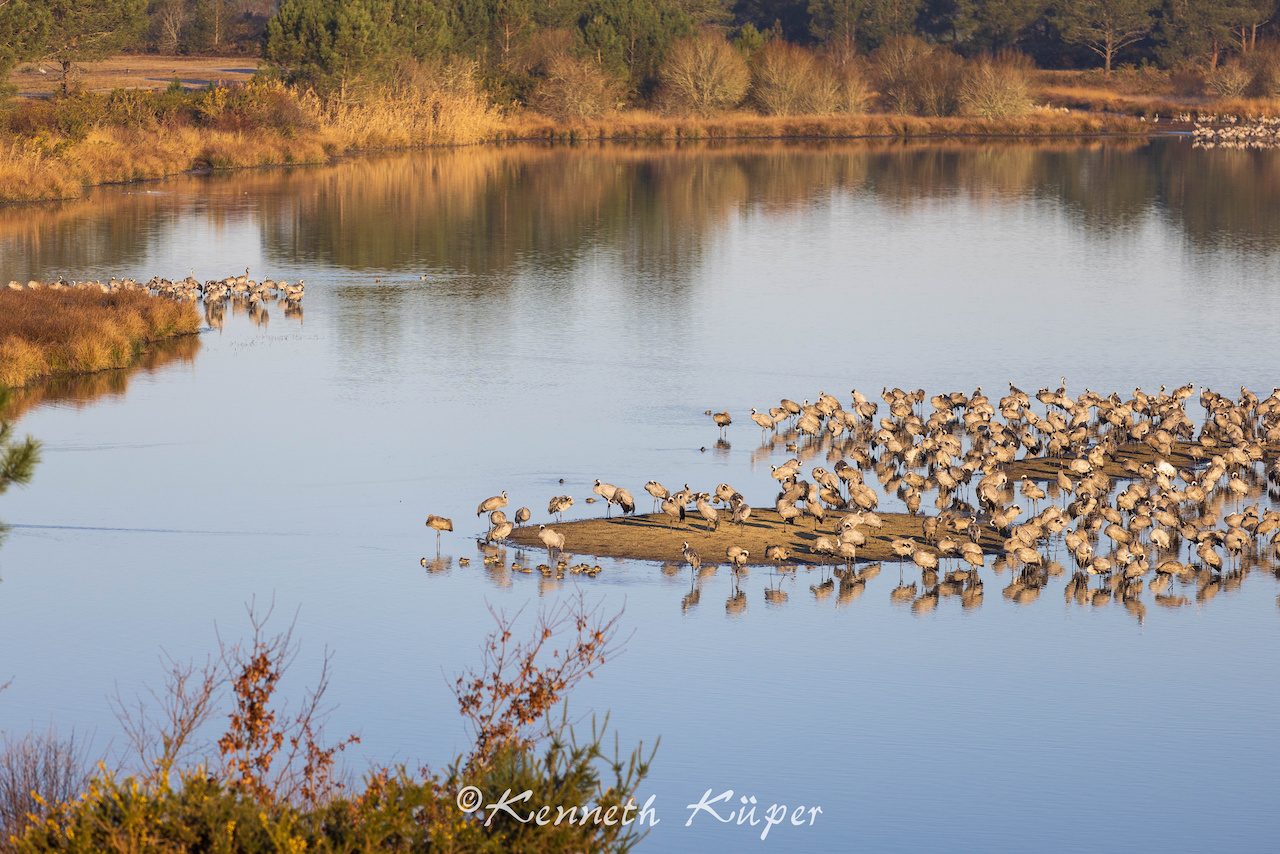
{"type": "Point", "coordinates": [514, 42]}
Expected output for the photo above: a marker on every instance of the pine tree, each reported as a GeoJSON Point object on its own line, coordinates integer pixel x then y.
{"type": "Point", "coordinates": [17, 459]}
{"type": "Point", "coordinates": [1106, 26]}
{"type": "Point", "coordinates": [85, 30]}
{"type": "Point", "coordinates": [888, 18]}
{"type": "Point", "coordinates": [838, 23]}
{"type": "Point", "coordinates": [23, 29]}
{"type": "Point", "coordinates": [997, 24]}
{"type": "Point", "coordinates": [329, 42]}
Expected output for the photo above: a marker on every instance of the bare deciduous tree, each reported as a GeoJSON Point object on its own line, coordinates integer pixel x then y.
{"type": "Point", "coordinates": [168, 21]}
{"type": "Point", "coordinates": [575, 89]}
{"type": "Point", "coordinates": [704, 75]}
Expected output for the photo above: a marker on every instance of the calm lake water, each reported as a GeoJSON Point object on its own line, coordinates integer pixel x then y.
{"type": "Point", "coordinates": [504, 318]}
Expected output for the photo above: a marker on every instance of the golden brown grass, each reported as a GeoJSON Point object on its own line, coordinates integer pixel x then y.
{"type": "Point", "coordinates": [50, 332]}
{"type": "Point", "coordinates": [429, 106]}
{"type": "Point", "coordinates": [403, 119]}
{"type": "Point", "coordinates": [647, 126]}
{"type": "Point", "coordinates": [1141, 93]}
{"type": "Point", "coordinates": [28, 175]}
{"type": "Point", "coordinates": [422, 108]}
{"type": "Point", "coordinates": [111, 155]}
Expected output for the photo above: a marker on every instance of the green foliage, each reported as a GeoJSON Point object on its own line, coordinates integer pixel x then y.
{"type": "Point", "coordinates": [419, 29]}
{"type": "Point", "coordinates": [1106, 26]}
{"type": "Point", "coordinates": [788, 19]}
{"type": "Point", "coordinates": [212, 25]}
{"type": "Point", "coordinates": [329, 43]}
{"type": "Point", "coordinates": [18, 460]}
{"type": "Point", "coordinates": [84, 30]}
{"type": "Point", "coordinates": [748, 41]}
{"type": "Point", "coordinates": [886, 19]}
{"type": "Point", "coordinates": [993, 25]}
{"type": "Point", "coordinates": [838, 23]}
{"type": "Point", "coordinates": [24, 26]}
{"type": "Point", "coordinates": [632, 38]}
{"type": "Point", "coordinates": [395, 810]}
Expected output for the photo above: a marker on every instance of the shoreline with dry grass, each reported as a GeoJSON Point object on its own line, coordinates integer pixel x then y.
{"type": "Point", "coordinates": [50, 333]}
{"type": "Point", "coordinates": [54, 149]}
{"type": "Point", "coordinates": [109, 155]}
{"type": "Point", "coordinates": [102, 134]}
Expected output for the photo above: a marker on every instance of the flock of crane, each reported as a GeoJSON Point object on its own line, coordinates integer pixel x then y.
{"type": "Point", "coordinates": [1198, 487]}
{"type": "Point", "coordinates": [211, 291]}
{"type": "Point", "coordinates": [240, 291]}
{"type": "Point", "coordinates": [1256, 133]}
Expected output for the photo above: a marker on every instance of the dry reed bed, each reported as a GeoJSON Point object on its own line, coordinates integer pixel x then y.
{"type": "Point", "coordinates": [51, 332]}
{"type": "Point", "coordinates": [109, 154]}
{"type": "Point", "coordinates": [746, 126]}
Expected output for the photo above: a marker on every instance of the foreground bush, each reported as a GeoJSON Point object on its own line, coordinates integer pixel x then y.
{"type": "Point", "coordinates": [271, 786]}
{"type": "Point", "coordinates": [395, 810]}
{"type": "Point", "coordinates": [996, 87]}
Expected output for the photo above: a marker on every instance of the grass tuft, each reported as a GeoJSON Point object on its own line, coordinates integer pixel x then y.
{"type": "Point", "coordinates": [49, 332]}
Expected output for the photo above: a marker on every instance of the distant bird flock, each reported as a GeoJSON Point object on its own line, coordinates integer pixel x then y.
{"type": "Point", "coordinates": [1130, 488]}
{"type": "Point", "coordinates": [240, 291]}
{"type": "Point", "coordinates": [1255, 133]}
{"type": "Point", "coordinates": [241, 287]}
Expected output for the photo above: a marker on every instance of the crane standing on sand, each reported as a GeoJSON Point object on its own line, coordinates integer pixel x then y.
{"type": "Point", "coordinates": [605, 491]}
{"type": "Point", "coordinates": [624, 500]}
{"type": "Point", "coordinates": [658, 491]}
